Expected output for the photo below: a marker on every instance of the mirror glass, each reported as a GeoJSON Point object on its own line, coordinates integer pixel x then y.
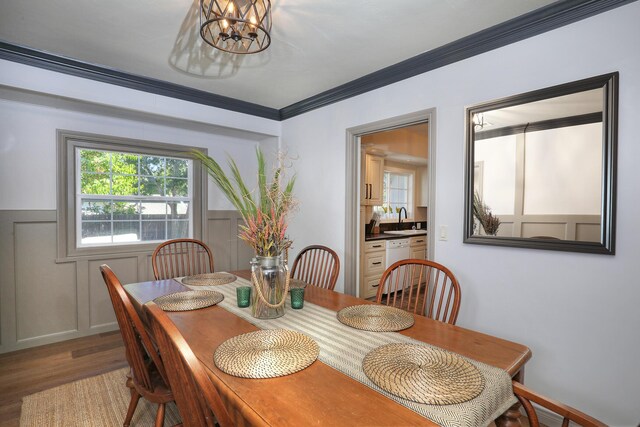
{"type": "Point", "coordinates": [540, 168]}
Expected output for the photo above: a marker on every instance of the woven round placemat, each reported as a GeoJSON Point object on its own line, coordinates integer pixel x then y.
{"type": "Point", "coordinates": [376, 318]}
{"type": "Point", "coordinates": [266, 354]}
{"type": "Point", "coordinates": [423, 374]}
{"type": "Point", "coordinates": [188, 300]}
{"type": "Point", "coordinates": [209, 279]}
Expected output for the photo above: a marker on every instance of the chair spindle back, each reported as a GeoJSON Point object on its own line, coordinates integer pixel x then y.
{"type": "Point", "coordinates": [318, 266]}
{"type": "Point", "coordinates": [422, 287]}
{"type": "Point", "coordinates": [181, 257]}
{"type": "Point", "coordinates": [526, 396]}
{"type": "Point", "coordinates": [198, 400]}
{"type": "Point", "coordinates": [140, 351]}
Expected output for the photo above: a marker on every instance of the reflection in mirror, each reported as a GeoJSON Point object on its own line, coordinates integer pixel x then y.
{"type": "Point", "coordinates": [540, 168]}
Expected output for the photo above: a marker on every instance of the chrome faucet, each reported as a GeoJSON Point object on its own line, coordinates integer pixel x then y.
{"type": "Point", "coordinates": [400, 216]}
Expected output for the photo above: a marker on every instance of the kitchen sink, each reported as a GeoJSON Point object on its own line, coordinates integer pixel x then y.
{"type": "Point", "coordinates": [407, 232]}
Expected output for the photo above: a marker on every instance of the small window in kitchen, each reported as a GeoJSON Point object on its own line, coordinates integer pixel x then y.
{"type": "Point", "coordinates": [397, 193]}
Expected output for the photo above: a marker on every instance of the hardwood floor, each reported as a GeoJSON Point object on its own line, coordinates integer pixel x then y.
{"type": "Point", "coordinates": [28, 371]}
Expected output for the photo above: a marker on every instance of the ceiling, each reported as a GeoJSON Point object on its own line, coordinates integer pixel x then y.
{"type": "Point", "coordinates": [316, 45]}
{"type": "Point", "coordinates": [575, 104]}
{"type": "Point", "coordinates": [407, 144]}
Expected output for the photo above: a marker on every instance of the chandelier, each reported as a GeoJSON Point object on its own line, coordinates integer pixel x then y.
{"type": "Point", "coordinates": [236, 26]}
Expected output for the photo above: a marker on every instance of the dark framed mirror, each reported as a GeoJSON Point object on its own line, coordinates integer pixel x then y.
{"type": "Point", "coordinates": [540, 168]}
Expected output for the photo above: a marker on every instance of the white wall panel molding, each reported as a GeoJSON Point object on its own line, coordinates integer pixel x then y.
{"type": "Point", "coordinates": [43, 300]}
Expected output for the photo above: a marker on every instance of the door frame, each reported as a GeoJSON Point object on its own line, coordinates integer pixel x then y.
{"type": "Point", "coordinates": [352, 199]}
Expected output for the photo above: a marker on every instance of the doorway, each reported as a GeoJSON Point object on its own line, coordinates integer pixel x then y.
{"type": "Point", "coordinates": [365, 198]}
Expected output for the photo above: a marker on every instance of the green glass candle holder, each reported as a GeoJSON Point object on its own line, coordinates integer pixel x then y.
{"type": "Point", "coordinates": [243, 295]}
{"type": "Point", "coordinates": [297, 298]}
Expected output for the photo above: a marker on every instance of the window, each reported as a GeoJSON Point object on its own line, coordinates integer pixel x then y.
{"type": "Point", "coordinates": [119, 195]}
{"type": "Point", "coordinates": [397, 192]}
{"type": "Point", "coordinates": [126, 198]}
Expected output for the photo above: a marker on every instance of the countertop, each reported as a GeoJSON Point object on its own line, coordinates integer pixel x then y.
{"type": "Point", "coordinates": [387, 236]}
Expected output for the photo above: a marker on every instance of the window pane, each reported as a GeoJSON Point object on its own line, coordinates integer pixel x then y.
{"type": "Point", "coordinates": [96, 232]}
{"type": "Point", "coordinates": [126, 231]}
{"type": "Point", "coordinates": [154, 210]}
{"type": "Point", "coordinates": [91, 183]}
{"type": "Point", "coordinates": [137, 197]}
{"type": "Point", "coordinates": [178, 168]}
{"type": "Point", "coordinates": [151, 186]}
{"type": "Point", "coordinates": [124, 163]}
{"type": "Point", "coordinates": [177, 187]}
{"type": "Point", "coordinates": [177, 229]}
{"type": "Point", "coordinates": [125, 185]}
{"type": "Point", "coordinates": [153, 230]}
{"type": "Point", "coordinates": [396, 192]}
{"type": "Point", "coordinates": [94, 161]}
{"type": "Point", "coordinates": [152, 165]}
{"type": "Point", "coordinates": [178, 210]}
{"type": "Point", "coordinates": [128, 211]}
{"type": "Point", "coordinates": [96, 210]}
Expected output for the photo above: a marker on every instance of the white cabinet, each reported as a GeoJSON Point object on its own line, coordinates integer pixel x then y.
{"type": "Point", "coordinates": [372, 177]}
{"type": "Point", "coordinates": [422, 187]}
{"type": "Point", "coordinates": [374, 261]}
{"type": "Point", "coordinates": [418, 246]}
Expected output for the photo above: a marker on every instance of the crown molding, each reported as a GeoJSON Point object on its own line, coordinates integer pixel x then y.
{"type": "Point", "coordinates": [522, 27]}
{"type": "Point", "coordinates": [40, 59]}
{"type": "Point", "coordinates": [541, 20]}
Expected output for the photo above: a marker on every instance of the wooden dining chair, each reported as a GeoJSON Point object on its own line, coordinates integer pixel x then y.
{"type": "Point", "coordinates": [181, 257]}
{"type": "Point", "coordinates": [422, 287]}
{"type": "Point", "coordinates": [197, 398]}
{"type": "Point", "coordinates": [147, 377]}
{"type": "Point", "coordinates": [527, 396]}
{"type": "Point", "coordinates": [318, 266]}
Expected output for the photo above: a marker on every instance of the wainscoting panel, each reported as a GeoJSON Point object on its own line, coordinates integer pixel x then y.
{"type": "Point", "coordinates": [44, 299]}
{"type": "Point", "coordinates": [229, 252]}
{"type": "Point", "coordinates": [583, 228]}
{"type": "Point", "coordinates": [101, 311]}
{"type": "Point", "coordinates": [46, 296]}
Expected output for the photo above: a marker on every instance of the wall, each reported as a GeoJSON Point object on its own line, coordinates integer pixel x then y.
{"type": "Point", "coordinates": [577, 312]}
{"type": "Point", "coordinates": [558, 194]}
{"type": "Point", "coordinates": [44, 299]}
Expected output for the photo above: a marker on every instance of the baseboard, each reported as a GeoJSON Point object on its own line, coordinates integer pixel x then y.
{"type": "Point", "coordinates": [55, 337]}
{"type": "Point", "coordinates": [548, 418]}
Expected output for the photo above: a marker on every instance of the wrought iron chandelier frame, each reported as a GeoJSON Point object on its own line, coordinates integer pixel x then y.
{"type": "Point", "coordinates": [236, 26]}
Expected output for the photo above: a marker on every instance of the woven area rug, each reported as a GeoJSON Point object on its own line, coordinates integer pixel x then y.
{"type": "Point", "coordinates": [99, 401]}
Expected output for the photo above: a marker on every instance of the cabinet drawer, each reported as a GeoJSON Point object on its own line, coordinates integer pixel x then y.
{"type": "Point", "coordinates": [371, 285]}
{"type": "Point", "coordinates": [418, 241]}
{"type": "Point", "coordinates": [374, 263]}
{"type": "Point", "coordinates": [374, 246]}
{"type": "Point", "coordinates": [419, 252]}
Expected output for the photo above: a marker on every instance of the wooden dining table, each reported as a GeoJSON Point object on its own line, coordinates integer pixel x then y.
{"type": "Point", "coordinates": [320, 394]}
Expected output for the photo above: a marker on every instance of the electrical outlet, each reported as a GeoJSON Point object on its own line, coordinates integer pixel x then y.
{"type": "Point", "coordinates": [444, 233]}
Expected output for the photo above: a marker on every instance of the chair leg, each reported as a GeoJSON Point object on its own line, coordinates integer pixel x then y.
{"type": "Point", "coordinates": [135, 397]}
{"type": "Point", "coordinates": [160, 415]}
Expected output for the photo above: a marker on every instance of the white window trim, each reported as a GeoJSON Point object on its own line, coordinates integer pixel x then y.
{"type": "Point", "coordinates": [412, 190]}
{"type": "Point", "coordinates": [67, 226]}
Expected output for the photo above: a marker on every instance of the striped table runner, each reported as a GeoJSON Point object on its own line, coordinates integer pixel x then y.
{"type": "Point", "coordinates": [344, 348]}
